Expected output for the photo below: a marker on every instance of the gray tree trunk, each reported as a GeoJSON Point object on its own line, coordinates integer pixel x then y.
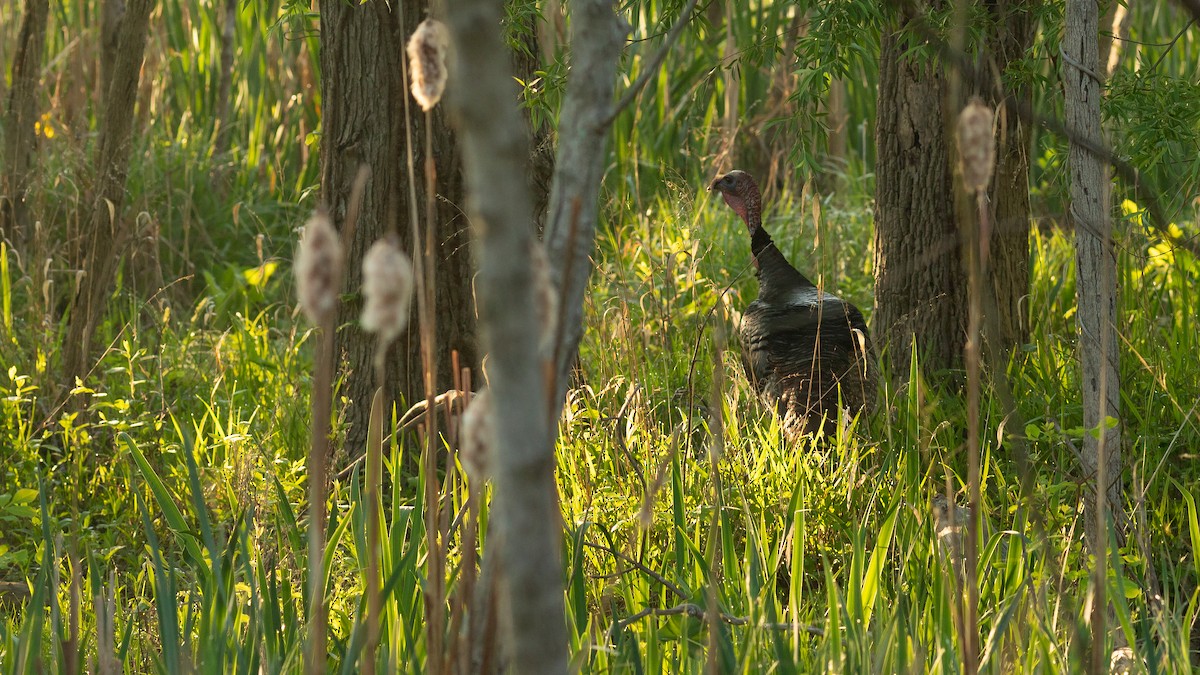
{"type": "Point", "coordinates": [1095, 255]}
{"type": "Point", "coordinates": [20, 138]}
{"type": "Point", "coordinates": [108, 235]}
{"type": "Point", "coordinates": [1096, 291]}
{"type": "Point", "coordinates": [596, 43]}
{"type": "Point", "coordinates": [362, 123]}
{"type": "Point", "coordinates": [496, 162]}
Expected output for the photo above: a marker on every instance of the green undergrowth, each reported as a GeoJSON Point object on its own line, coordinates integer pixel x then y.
{"type": "Point", "coordinates": [181, 509]}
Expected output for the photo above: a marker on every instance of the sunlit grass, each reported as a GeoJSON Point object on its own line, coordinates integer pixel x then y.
{"type": "Point", "coordinates": [184, 503]}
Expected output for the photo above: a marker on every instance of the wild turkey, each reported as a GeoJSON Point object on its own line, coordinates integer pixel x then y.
{"type": "Point", "coordinates": [800, 345]}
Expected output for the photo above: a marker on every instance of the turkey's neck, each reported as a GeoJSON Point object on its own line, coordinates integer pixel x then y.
{"type": "Point", "coordinates": [775, 275]}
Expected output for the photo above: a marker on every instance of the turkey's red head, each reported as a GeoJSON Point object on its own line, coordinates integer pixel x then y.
{"type": "Point", "coordinates": [741, 194]}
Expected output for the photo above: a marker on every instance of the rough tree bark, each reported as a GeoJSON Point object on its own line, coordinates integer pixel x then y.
{"type": "Point", "coordinates": [363, 124]}
{"type": "Point", "coordinates": [20, 138]}
{"type": "Point", "coordinates": [496, 162]}
{"type": "Point", "coordinates": [112, 13]}
{"type": "Point", "coordinates": [1096, 294]}
{"type": "Point", "coordinates": [920, 284]}
{"type": "Point", "coordinates": [107, 234]}
{"type": "Point", "coordinates": [1008, 195]}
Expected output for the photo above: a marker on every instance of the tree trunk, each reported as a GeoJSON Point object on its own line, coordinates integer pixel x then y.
{"type": "Point", "coordinates": [1096, 292]}
{"type": "Point", "coordinates": [113, 12]}
{"type": "Point", "coordinates": [496, 154]}
{"type": "Point", "coordinates": [107, 234]}
{"type": "Point", "coordinates": [225, 80]}
{"type": "Point", "coordinates": [21, 138]}
{"type": "Point", "coordinates": [1112, 45]}
{"type": "Point", "coordinates": [1008, 269]}
{"type": "Point", "coordinates": [920, 284]}
{"type": "Point", "coordinates": [363, 125]}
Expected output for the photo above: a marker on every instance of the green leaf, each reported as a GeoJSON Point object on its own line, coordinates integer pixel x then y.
{"type": "Point", "coordinates": [170, 510]}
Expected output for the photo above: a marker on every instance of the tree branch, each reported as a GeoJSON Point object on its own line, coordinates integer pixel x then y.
{"type": "Point", "coordinates": [597, 37]}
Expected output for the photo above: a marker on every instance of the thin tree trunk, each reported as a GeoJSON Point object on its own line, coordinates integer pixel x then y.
{"type": "Point", "coordinates": [107, 234]}
{"type": "Point", "coordinates": [363, 124]}
{"type": "Point", "coordinates": [21, 138]}
{"type": "Point", "coordinates": [1096, 290]}
{"type": "Point", "coordinates": [1008, 267]}
{"type": "Point", "coordinates": [598, 37]}
{"type": "Point", "coordinates": [113, 12]}
{"type": "Point", "coordinates": [1112, 45]}
{"type": "Point", "coordinates": [496, 162]}
{"type": "Point", "coordinates": [920, 284]}
{"type": "Point", "coordinates": [225, 81]}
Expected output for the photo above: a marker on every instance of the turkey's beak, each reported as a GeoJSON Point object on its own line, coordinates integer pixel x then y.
{"type": "Point", "coordinates": [713, 185]}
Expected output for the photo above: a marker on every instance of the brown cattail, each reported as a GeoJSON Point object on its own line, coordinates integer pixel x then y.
{"type": "Point", "coordinates": [427, 62]}
{"type": "Point", "coordinates": [318, 267]}
{"type": "Point", "coordinates": [387, 290]}
{"type": "Point", "coordinates": [475, 437]}
{"type": "Point", "coordinates": [545, 297]}
{"type": "Point", "coordinates": [976, 148]}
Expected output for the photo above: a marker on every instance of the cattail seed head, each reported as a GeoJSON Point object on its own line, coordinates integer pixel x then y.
{"type": "Point", "coordinates": [387, 290]}
{"type": "Point", "coordinates": [318, 267]}
{"type": "Point", "coordinates": [427, 62]}
{"type": "Point", "coordinates": [476, 437]}
{"type": "Point", "coordinates": [976, 147]}
{"type": "Point", "coordinates": [545, 297]}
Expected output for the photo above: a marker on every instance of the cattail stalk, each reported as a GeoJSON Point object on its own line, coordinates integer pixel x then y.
{"type": "Point", "coordinates": [318, 278]}
{"type": "Point", "coordinates": [425, 69]}
{"type": "Point", "coordinates": [977, 158]}
{"type": "Point", "coordinates": [387, 295]}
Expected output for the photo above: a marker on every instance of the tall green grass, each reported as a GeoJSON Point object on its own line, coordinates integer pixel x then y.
{"type": "Point", "coordinates": [177, 520]}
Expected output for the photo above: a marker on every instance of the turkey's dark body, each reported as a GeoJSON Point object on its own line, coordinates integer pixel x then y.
{"type": "Point", "coordinates": [808, 356]}
{"type": "Point", "coordinates": [807, 353]}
